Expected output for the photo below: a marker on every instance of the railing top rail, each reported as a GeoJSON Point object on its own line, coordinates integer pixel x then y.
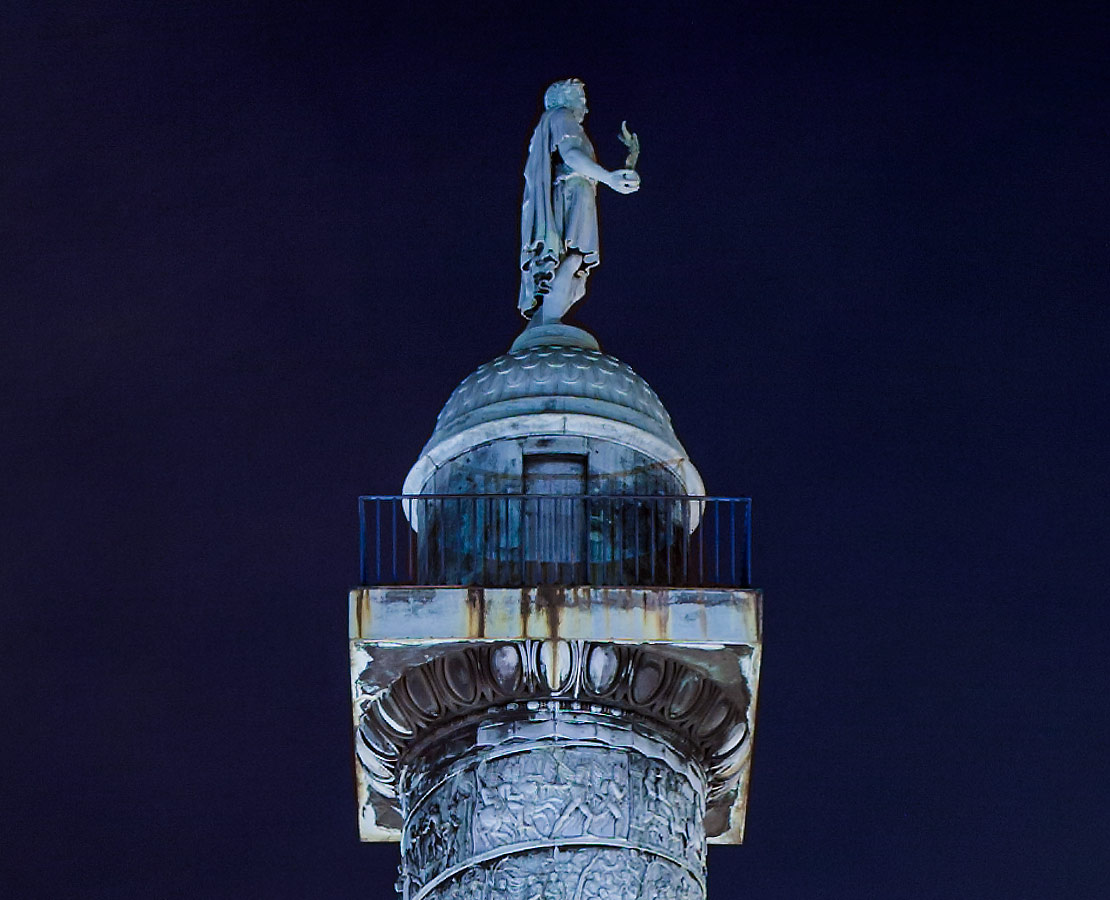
{"type": "Point", "coordinates": [518, 495]}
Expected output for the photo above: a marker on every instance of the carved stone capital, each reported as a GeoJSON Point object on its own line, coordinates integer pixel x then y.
{"type": "Point", "coordinates": [619, 679]}
{"type": "Point", "coordinates": [633, 669]}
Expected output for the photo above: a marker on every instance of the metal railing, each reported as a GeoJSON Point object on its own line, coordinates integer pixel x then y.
{"type": "Point", "coordinates": [511, 540]}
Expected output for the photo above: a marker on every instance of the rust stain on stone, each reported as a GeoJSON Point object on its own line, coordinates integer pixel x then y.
{"type": "Point", "coordinates": [476, 612]}
{"type": "Point", "coordinates": [550, 600]}
{"type": "Point", "coordinates": [652, 616]}
{"type": "Point", "coordinates": [662, 603]}
{"type": "Point", "coordinates": [363, 612]}
{"type": "Point", "coordinates": [525, 611]}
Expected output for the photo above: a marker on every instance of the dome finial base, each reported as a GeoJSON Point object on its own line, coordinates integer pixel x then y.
{"type": "Point", "coordinates": [555, 335]}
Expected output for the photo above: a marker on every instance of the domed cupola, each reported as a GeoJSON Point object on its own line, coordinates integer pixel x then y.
{"type": "Point", "coordinates": [562, 400]}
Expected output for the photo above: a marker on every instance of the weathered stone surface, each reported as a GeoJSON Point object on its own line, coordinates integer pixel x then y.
{"type": "Point", "coordinates": [697, 616]}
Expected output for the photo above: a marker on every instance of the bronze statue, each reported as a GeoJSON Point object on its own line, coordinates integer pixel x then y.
{"type": "Point", "coordinates": [558, 227]}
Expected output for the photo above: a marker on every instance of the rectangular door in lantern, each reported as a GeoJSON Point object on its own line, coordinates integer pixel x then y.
{"type": "Point", "coordinates": [555, 535]}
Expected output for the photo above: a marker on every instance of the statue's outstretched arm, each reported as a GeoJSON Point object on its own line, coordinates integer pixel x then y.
{"type": "Point", "coordinates": [624, 181]}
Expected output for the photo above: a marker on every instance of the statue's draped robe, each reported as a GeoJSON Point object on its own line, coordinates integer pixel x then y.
{"type": "Point", "coordinates": [559, 213]}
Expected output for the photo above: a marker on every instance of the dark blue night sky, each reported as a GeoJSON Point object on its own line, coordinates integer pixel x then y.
{"type": "Point", "coordinates": [250, 248]}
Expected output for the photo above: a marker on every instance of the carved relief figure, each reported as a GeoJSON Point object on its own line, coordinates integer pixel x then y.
{"type": "Point", "coordinates": [558, 228]}
{"type": "Point", "coordinates": [608, 789]}
{"type": "Point", "coordinates": [611, 876]}
{"type": "Point", "coordinates": [656, 821]}
{"type": "Point", "coordinates": [498, 814]}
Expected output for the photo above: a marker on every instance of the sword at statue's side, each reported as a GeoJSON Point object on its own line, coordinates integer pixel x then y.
{"type": "Point", "coordinates": [632, 141]}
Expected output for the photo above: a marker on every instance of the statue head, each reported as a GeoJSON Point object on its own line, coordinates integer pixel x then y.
{"type": "Point", "coordinates": [570, 93]}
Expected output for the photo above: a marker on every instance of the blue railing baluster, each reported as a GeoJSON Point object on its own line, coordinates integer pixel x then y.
{"type": "Point", "coordinates": [654, 528]}
{"type": "Point", "coordinates": [393, 539]}
{"type": "Point", "coordinates": [361, 541]}
{"type": "Point", "coordinates": [716, 529]}
{"type": "Point", "coordinates": [732, 537]}
{"type": "Point", "coordinates": [378, 539]}
{"type": "Point", "coordinates": [747, 543]}
{"type": "Point", "coordinates": [701, 543]}
{"type": "Point", "coordinates": [412, 547]}
{"type": "Point", "coordinates": [637, 550]}
{"type": "Point", "coordinates": [441, 518]}
{"type": "Point", "coordinates": [670, 542]}
{"type": "Point", "coordinates": [565, 539]}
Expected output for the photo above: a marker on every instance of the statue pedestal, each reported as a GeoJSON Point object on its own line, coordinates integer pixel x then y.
{"type": "Point", "coordinates": [558, 335]}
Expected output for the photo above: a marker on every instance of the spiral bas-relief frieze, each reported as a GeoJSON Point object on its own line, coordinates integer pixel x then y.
{"type": "Point", "coordinates": [635, 681]}
{"type": "Point", "coordinates": [524, 801]}
{"type": "Point", "coordinates": [584, 874]}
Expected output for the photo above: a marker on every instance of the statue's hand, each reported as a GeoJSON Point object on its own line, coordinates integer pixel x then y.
{"type": "Point", "coordinates": [624, 181]}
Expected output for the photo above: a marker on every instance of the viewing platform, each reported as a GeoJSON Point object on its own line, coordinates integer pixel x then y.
{"type": "Point", "coordinates": [516, 540]}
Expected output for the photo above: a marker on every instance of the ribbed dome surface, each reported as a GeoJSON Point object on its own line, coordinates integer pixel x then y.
{"type": "Point", "coordinates": [553, 379]}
